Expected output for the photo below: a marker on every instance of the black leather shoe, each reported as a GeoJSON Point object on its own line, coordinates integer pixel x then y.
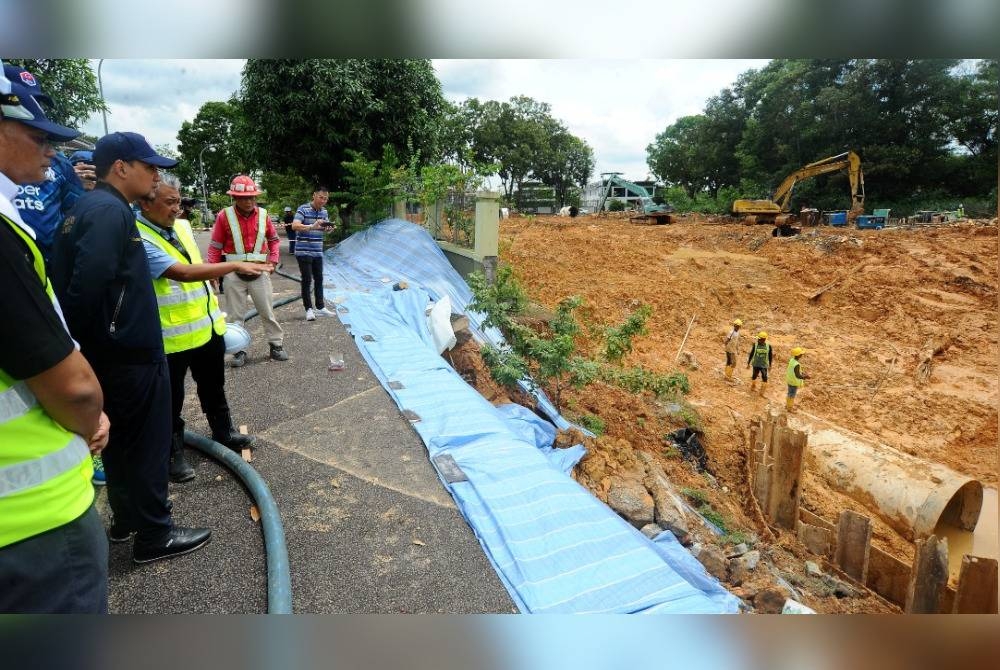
{"type": "Point", "coordinates": [226, 434]}
{"type": "Point", "coordinates": [180, 470]}
{"type": "Point", "coordinates": [178, 541]}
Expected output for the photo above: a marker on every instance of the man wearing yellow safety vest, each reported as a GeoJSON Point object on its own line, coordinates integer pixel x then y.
{"type": "Point", "coordinates": [53, 552]}
{"type": "Point", "coordinates": [794, 377]}
{"type": "Point", "coordinates": [244, 232]}
{"type": "Point", "coordinates": [192, 323]}
{"type": "Point", "coordinates": [761, 358]}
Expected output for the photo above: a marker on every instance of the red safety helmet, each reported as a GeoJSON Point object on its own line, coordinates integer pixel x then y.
{"type": "Point", "coordinates": [242, 186]}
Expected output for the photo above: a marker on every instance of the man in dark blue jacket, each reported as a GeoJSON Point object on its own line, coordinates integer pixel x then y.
{"type": "Point", "coordinates": [102, 279]}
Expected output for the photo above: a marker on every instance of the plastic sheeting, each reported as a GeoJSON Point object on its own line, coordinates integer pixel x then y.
{"type": "Point", "coordinates": [555, 546]}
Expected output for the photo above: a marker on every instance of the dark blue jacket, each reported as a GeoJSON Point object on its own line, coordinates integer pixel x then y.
{"type": "Point", "coordinates": [102, 279]}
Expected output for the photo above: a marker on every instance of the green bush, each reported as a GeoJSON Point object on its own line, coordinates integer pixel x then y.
{"type": "Point", "coordinates": [591, 422]}
{"type": "Point", "coordinates": [616, 205]}
{"type": "Point", "coordinates": [618, 339]}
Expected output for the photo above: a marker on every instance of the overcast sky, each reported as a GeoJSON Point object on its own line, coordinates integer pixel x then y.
{"type": "Point", "coordinates": [617, 106]}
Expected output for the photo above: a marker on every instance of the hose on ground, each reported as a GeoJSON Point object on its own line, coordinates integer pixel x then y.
{"type": "Point", "coordinates": [284, 301]}
{"type": "Point", "coordinates": [286, 275]}
{"type": "Point", "coordinates": [279, 580]}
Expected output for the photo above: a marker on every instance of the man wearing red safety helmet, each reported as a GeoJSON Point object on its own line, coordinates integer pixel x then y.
{"type": "Point", "coordinates": [244, 232]}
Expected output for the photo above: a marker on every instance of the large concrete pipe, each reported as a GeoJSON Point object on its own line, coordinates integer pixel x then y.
{"type": "Point", "coordinates": [908, 493]}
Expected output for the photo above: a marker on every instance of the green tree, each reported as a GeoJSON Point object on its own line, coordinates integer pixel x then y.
{"type": "Point", "coordinates": [304, 115]}
{"type": "Point", "coordinates": [567, 161]}
{"type": "Point", "coordinates": [72, 85]}
{"type": "Point", "coordinates": [511, 135]}
{"type": "Point", "coordinates": [210, 136]}
{"type": "Point", "coordinates": [678, 155]}
{"type": "Point", "coordinates": [921, 126]}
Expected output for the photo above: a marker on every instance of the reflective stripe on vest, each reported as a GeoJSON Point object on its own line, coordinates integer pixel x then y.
{"type": "Point", "coordinates": [790, 373]}
{"type": "Point", "coordinates": [45, 470]}
{"type": "Point", "coordinates": [760, 357]}
{"type": "Point", "coordinates": [189, 311]}
{"type": "Point", "coordinates": [28, 474]}
{"type": "Point", "coordinates": [16, 401]}
{"type": "Point", "coordinates": [240, 251]}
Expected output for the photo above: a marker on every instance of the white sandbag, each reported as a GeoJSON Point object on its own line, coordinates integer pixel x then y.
{"type": "Point", "coordinates": [439, 323]}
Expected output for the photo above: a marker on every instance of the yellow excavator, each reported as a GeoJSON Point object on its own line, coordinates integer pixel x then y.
{"type": "Point", "coordinates": [775, 211]}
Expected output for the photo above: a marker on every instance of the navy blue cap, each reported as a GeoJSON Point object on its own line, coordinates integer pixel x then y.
{"type": "Point", "coordinates": [24, 103]}
{"type": "Point", "coordinates": [81, 157]}
{"type": "Point", "coordinates": [127, 147]}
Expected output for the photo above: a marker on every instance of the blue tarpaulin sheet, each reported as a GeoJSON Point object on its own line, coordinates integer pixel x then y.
{"type": "Point", "coordinates": [556, 547]}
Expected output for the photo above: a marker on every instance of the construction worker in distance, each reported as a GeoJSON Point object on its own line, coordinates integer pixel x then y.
{"type": "Point", "coordinates": [732, 347]}
{"type": "Point", "coordinates": [794, 376]}
{"type": "Point", "coordinates": [760, 357]}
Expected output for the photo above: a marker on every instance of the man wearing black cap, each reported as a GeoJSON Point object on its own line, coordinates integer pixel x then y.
{"type": "Point", "coordinates": [53, 552]}
{"type": "Point", "coordinates": [102, 276]}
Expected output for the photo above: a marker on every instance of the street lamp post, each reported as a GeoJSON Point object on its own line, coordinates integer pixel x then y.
{"type": "Point", "coordinates": [201, 167]}
{"type": "Point", "coordinates": [100, 85]}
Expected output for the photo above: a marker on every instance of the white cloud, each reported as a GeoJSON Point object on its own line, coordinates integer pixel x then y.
{"type": "Point", "coordinates": [617, 106]}
{"type": "Point", "coordinates": [154, 97]}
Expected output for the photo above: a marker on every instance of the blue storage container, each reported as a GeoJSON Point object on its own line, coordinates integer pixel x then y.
{"type": "Point", "coordinates": [837, 218]}
{"type": "Point", "coordinates": [870, 221]}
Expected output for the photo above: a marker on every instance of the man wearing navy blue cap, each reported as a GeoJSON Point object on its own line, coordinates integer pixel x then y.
{"type": "Point", "coordinates": [102, 276]}
{"type": "Point", "coordinates": [53, 552]}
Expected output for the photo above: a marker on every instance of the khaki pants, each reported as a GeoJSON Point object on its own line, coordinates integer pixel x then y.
{"type": "Point", "coordinates": [259, 290]}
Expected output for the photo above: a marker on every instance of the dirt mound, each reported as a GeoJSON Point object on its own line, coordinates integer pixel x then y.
{"type": "Point", "coordinates": [867, 305]}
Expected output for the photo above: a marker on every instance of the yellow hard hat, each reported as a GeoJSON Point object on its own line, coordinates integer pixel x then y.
{"type": "Point", "coordinates": [762, 335]}
{"type": "Point", "coordinates": [798, 351]}
{"type": "Point", "coordinates": [738, 322]}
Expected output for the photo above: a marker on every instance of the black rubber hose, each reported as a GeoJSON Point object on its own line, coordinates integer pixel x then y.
{"type": "Point", "coordinates": [284, 301]}
{"type": "Point", "coordinates": [279, 579]}
{"type": "Point", "coordinates": [284, 274]}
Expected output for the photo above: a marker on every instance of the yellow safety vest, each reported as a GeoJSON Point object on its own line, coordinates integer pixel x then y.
{"type": "Point", "coordinates": [234, 226]}
{"type": "Point", "coordinates": [189, 311]}
{"type": "Point", "coordinates": [45, 470]}
{"type": "Point", "coordinates": [790, 373]}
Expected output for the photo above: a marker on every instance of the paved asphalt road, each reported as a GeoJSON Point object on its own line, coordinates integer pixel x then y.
{"type": "Point", "coordinates": [369, 527]}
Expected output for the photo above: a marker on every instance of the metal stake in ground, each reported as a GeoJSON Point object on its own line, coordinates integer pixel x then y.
{"type": "Point", "coordinates": [684, 341]}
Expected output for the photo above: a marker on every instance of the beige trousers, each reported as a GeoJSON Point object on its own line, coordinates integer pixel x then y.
{"type": "Point", "coordinates": [235, 293]}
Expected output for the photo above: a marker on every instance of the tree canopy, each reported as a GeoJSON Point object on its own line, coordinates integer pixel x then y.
{"type": "Point", "coordinates": [70, 82]}
{"type": "Point", "coordinates": [210, 137]}
{"type": "Point", "coordinates": [303, 116]}
{"type": "Point", "coordinates": [523, 139]}
{"type": "Point", "coordinates": [920, 126]}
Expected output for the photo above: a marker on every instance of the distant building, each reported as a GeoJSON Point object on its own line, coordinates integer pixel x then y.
{"type": "Point", "coordinates": [595, 190]}
{"type": "Point", "coordinates": [534, 197]}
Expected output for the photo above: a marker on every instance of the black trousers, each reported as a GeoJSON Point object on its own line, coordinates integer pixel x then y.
{"type": "Point", "coordinates": [60, 571]}
{"type": "Point", "coordinates": [137, 402]}
{"type": "Point", "coordinates": [311, 269]}
{"type": "Point", "coordinates": [207, 365]}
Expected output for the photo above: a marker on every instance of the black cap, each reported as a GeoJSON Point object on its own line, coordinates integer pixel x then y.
{"type": "Point", "coordinates": [127, 147]}
{"type": "Point", "coordinates": [24, 104]}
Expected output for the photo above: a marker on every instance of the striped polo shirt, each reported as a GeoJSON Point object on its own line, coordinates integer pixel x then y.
{"type": "Point", "coordinates": [309, 242]}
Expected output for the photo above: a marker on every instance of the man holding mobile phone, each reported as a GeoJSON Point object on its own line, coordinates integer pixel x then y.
{"type": "Point", "coordinates": [309, 224]}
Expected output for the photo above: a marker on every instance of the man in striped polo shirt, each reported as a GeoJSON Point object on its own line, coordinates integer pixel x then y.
{"type": "Point", "coordinates": [311, 220]}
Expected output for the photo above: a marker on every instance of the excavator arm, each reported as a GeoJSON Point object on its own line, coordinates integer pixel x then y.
{"type": "Point", "coordinates": [849, 160]}
{"type": "Point", "coordinates": [779, 204]}
{"type": "Point", "coordinates": [648, 206]}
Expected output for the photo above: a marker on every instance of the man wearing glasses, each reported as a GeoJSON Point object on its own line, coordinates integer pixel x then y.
{"type": "Point", "coordinates": [53, 553]}
{"type": "Point", "coordinates": [102, 278]}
